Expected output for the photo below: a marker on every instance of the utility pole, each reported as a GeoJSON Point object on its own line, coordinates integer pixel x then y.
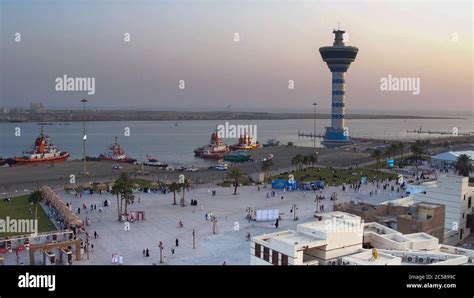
{"type": "Point", "coordinates": [295, 218]}
{"type": "Point", "coordinates": [84, 136]}
{"type": "Point", "coordinates": [87, 246]}
{"type": "Point", "coordinates": [194, 239]}
{"type": "Point", "coordinates": [314, 126]}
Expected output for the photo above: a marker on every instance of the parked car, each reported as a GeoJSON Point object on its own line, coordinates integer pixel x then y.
{"type": "Point", "coordinates": [192, 169]}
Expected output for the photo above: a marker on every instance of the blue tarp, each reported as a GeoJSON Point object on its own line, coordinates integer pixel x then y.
{"type": "Point", "coordinates": [282, 184]}
{"type": "Point", "coordinates": [310, 185]}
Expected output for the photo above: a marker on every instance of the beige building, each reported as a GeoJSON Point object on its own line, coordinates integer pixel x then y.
{"type": "Point", "coordinates": [405, 218]}
{"type": "Point", "coordinates": [455, 193]}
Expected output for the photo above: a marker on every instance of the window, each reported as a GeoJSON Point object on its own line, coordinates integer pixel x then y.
{"type": "Point", "coordinates": [275, 257]}
{"type": "Point", "coordinates": [266, 254]}
{"type": "Point", "coordinates": [469, 202]}
{"type": "Point", "coordinates": [284, 260]}
{"type": "Point", "coordinates": [258, 253]}
{"type": "Point", "coordinates": [463, 215]}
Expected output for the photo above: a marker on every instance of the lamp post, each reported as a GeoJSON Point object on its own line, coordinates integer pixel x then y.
{"type": "Point", "coordinates": [84, 136]}
{"type": "Point", "coordinates": [194, 239]}
{"type": "Point", "coordinates": [161, 252]}
{"type": "Point", "coordinates": [293, 209]}
{"type": "Point", "coordinates": [314, 126]}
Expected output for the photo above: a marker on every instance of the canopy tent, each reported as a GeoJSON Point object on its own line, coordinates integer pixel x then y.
{"type": "Point", "coordinates": [450, 157]}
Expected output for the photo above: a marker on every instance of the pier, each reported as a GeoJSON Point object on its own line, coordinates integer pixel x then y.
{"type": "Point", "coordinates": [440, 132]}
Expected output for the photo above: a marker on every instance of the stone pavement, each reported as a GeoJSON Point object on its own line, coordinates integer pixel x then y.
{"type": "Point", "coordinates": [162, 218]}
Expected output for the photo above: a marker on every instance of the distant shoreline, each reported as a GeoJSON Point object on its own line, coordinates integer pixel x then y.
{"type": "Point", "coordinates": [111, 115]}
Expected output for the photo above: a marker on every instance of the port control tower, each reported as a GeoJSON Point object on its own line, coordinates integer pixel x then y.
{"type": "Point", "coordinates": [338, 58]}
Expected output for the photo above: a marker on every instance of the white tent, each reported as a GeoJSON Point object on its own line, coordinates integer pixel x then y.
{"type": "Point", "coordinates": [449, 158]}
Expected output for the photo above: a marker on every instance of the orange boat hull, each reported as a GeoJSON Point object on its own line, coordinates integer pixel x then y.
{"type": "Point", "coordinates": [24, 161]}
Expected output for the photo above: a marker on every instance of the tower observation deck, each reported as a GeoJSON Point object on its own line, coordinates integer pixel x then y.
{"type": "Point", "coordinates": [338, 58]}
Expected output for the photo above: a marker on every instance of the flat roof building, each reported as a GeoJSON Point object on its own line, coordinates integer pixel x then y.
{"type": "Point", "coordinates": [339, 238]}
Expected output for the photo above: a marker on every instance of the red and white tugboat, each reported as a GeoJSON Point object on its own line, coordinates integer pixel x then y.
{"type": "Point", "coordinates": [43, 151]}
{"type": "Point", "coordinates": [116, 153]}
{"type": "Point", "coordinates": [216, 149]}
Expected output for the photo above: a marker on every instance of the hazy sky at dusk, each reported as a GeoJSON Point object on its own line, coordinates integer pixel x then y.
{"type": "Point", "coordinates": [193, 41]}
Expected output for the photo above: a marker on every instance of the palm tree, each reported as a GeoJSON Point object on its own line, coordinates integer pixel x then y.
{"type": "Point", "coordinates": [463, 165]}
{"type": "Point", "coordinates": [377, 154]}
{"type": "Point", "coordinates": [400, 147]}
{"type": "Point", "coordinates": [313, 158]}
{"type": "Point", "coordinates": [124, 188]}
{"type": "Point", "coordinates": [296, 161]}
{"type": "Point", "coordinates": [306, 160]}
{"type": "Point", "coordinates": [117, 190]}
{"type": "Point", "coordinates": [36, 197]}
{"type": "Point", "coordinates": [388, 152]}
{"type": "Point", "coordinates": [417, 149]}
{"type": "Point", "coordinates": [185, 185]}
{"type": "Point", "coordinates": [266, 166]}
{"type": "Point", "coordinates": [393, 150]}
{"type": "Point", "coordinates": [236, 175]}
{"type": "Point", "coordinates": [174, 187]}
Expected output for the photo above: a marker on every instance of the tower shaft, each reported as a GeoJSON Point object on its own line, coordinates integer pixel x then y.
{"type": "Point", "coordinates": [338, 94]}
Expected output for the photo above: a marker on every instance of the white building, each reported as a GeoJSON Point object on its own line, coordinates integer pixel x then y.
{"type": "Point", "coordinates": [339, 238]}
{"type": "Point", "coordinates": [455, 193]}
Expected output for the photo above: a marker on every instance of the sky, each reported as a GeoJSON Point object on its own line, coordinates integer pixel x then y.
{"type": "Point", "coordinates": [278, 41]}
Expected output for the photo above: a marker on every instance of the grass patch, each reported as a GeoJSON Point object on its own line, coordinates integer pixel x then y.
{"type": "Point", "coordinates": [245, 181]}
{"type": "Point", "coordinates": [19, 208]}
{"type": "Point", "coordinates": [336, 176]}
{"type": "Point", "coordinates": [142, 182]}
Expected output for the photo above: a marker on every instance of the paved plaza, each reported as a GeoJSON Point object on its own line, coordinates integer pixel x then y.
{"type": "Point", "coordinates": [229, 245]}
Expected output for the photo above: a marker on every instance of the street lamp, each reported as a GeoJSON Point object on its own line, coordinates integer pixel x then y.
{"type": "Point", "coordinates": [314, 127]}
{"type": "Point", "coordinates": [161, 252]}
{"type": "Point", "coordinates": [84, 136]}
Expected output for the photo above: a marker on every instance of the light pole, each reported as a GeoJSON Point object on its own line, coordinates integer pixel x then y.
{"type": "Point", "coordinates": [295, 218]}
{"type": "Point", "coordinates": [84, 136]}
{"type": "Point", "coordinates": [161, 252]}
{"type": "Point", "coordinates": [314, 126]}
{"type": "Point", "coordinates": [194, 239]}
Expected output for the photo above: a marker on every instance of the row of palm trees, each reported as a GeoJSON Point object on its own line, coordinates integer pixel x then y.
{"type": "Point", "coordinates": [176, 187]}
{"type": "Point", "coordinates": [416, 148]}
{"type": "Point", "coordinates": [299, 161]}
{"type": "Point", "coordinates": [123, 190]}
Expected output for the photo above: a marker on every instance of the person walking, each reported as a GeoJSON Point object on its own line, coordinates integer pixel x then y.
{"type": "Point", "coordinates": [177, 242]}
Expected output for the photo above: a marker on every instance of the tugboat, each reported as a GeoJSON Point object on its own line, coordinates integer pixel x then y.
{"type": "Point", "coordinates": [154, 162]}
{"type": "Point", "coordinates": [115, 153]}
{"type": "Point", "coordinates": [237, 156]}
{"type": "Point", "coordinates": [43, 151]}
{"type": "Point", "coordinates": [246, 142]}
{"type": "Point", "coordinates": [216, 149]}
